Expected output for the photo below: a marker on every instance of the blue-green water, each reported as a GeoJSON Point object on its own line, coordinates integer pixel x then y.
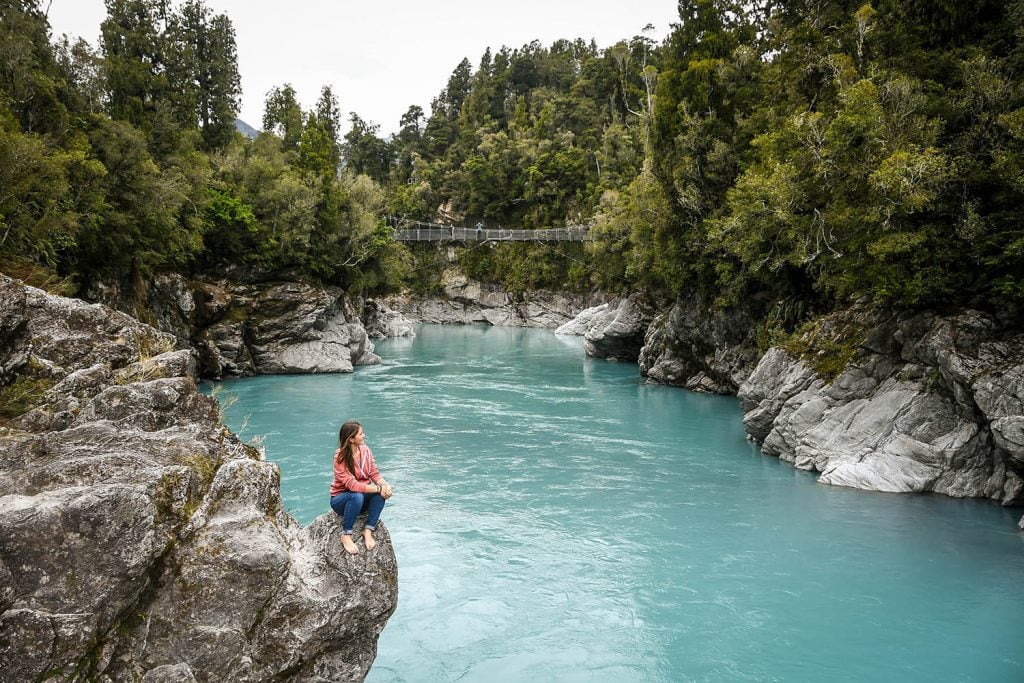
{"type": "Point", "coordinates": [557, 520]}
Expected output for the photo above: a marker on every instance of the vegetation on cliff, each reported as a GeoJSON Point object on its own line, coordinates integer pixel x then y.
{"type": "Point", "coordinates": [805, 152]}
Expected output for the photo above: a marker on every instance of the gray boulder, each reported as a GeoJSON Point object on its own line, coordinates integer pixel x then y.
{"type": "Point", "coordinates": [617, 332]}
{"type": "Point", "coordinates": [926, 403]}
{"type": "Point", "coordinates": [381, 321]}
{"type": "Point", "coordinates": [584, 320]}
{"type": "Point", "coordinates": [140, 539]}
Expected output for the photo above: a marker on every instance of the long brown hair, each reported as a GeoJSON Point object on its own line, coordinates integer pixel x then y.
{"type": "Point", "coordinates": [344, 452]}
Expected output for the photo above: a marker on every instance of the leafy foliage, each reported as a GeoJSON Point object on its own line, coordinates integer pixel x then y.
{"type": "Point", "coordinates": [802, 152]}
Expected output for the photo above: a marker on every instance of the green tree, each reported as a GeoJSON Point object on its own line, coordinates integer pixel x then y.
{"type": "Point", "coordinates": [138, 229]}
{"type": "Point", "coordinates": [135, 58]}
{"type": "Point", "coordinates": [82, 69]}
{"type": "Point", "coordinates": [364, 152]}
{"type": "Point", "coordinates": [408, 144]}
{"type": "Point", "coordinates": [30, 83]}
{"type": "Point", "coordinates": [283, 116]}
{"type": "Point", "coordinates": [203, 74]}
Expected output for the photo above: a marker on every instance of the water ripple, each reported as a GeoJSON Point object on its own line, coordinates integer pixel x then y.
{"type": "Point", "coordinates": [556, 519]}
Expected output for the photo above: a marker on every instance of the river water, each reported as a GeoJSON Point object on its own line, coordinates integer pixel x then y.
{"type": "Point", "coordinates": [555, 519]}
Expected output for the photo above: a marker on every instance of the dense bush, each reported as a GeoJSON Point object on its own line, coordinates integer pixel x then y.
{"type": "Point", "coordinates": [804, 151]}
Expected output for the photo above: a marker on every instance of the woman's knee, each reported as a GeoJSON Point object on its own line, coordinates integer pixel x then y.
{"type": "Point", "coordinates": [338, 504]}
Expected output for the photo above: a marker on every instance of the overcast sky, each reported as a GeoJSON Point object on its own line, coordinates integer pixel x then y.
{"type": "Point", "coordinates": [381, 56]}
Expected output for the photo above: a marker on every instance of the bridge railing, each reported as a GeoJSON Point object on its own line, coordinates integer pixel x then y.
{"type": "Point", "coordinates": [437, 233]}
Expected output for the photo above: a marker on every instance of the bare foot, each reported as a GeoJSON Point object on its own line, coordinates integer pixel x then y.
{"type": "Point", "coordinates": [350, 547]}
{"type": "Point", "coordinates": [368, 539]}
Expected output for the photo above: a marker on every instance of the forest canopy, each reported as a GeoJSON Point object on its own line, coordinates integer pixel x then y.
{"type": "Point", "coordinates": [797, 150]}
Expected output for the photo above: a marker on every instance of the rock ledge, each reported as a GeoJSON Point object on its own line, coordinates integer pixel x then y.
{"type": "Point", "coordinates": [139, 538]}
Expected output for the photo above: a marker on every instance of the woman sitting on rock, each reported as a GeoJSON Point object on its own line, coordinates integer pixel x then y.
{"type": "Point", "coordinates": [358, 486]}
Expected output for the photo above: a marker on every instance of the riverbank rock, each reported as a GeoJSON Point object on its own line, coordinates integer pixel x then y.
{"type": "Point", "coordinates": [918, 402]}
{"type": "Point", "coordinates": [254, 328]}
{"type": "Point", "coordinates": [139, 538]}
{"type": "Point", "coordinates": [701, 348]}
{"type": "Point", "coordinates": [614, 330]}
{"type": "Point", "coordinates": [467, 301]}
{"type": "Point", "coordinates": [277, 328]}
{"type": "Point", "coordinates": [167, 303]}
{"type": "Point", "coordinates": [584, 320]}
{"type": "Point", "coordinates": [380, 321]}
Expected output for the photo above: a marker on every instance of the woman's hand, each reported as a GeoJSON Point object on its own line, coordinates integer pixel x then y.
{"type": "Point", "coordinates": [385, 491]}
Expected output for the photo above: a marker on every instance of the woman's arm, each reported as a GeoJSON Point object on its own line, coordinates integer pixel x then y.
{"type": "Point", "coordinates": [350, 483]}
{"type": "Point", "coordinates": [370, 467]}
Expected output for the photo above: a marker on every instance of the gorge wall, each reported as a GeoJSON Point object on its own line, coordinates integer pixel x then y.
{"type": "Point", "coordinates": [139, 538]}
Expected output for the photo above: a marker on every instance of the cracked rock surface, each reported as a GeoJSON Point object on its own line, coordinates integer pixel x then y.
{"type": "Point", "coordinates": [928, 403]}
{"type": "Point", "coordinates": [252, 328]}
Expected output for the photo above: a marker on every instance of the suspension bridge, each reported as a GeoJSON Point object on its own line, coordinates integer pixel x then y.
{"type": "Point", "coordinates": [419, 231]}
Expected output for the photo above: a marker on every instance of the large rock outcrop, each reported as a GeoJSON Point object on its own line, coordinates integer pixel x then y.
{"type": "Point", "coordinates": [253, 328]}
{"type": "Point", "coordinates": [613, 330]}
{"type": "Point", "coordinates": [467, 301]}
{"type": "Point", "coordinates": [139, 538]}
{"type": "Point", "coordinates": [381, 321]}
{"type": "Point", "coordinates": [919, 403]}
{"type": "Point", "coordinates": [699, 347]}
{"type": "Point", "coordinates": [286, 327]}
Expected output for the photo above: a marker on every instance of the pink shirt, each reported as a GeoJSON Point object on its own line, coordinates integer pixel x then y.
{"type": "Point", "coordinates": [366, 473]}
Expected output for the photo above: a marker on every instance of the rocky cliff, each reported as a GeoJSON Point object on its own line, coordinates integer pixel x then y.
{"type": "Point", "coordinates": [258, 328]}
{"type": "Point", "coordinates": [686, 345]}
{"type": "Point", "coordinates": [700, 347]}
{"type": "Point", "coordinates": [139, 539]}
{"type": "Point", "coordinates": [918, 402]}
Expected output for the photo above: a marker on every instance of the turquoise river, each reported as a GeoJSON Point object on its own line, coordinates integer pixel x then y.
{"type": "Point", "coordinates": [556, 519]}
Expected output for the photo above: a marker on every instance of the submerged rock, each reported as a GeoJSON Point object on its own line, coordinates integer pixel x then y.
{"type": "Point", "coordinates": [139, 538]}
{"type": "Point", "coordinates": [927, 403]}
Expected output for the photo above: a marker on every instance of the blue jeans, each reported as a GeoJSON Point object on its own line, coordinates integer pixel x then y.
{"type": "Point", "coordinates": [350, 504]}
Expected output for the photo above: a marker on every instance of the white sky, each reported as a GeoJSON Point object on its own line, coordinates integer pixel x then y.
{"type": "Point", "coordinates": [382, 56]}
